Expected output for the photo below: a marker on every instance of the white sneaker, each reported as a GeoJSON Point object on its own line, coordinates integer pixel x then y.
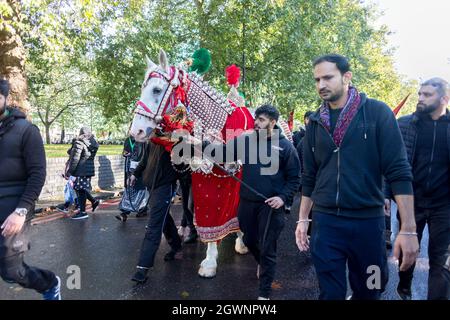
{"type": "Point", "coordinates": [262, 298]}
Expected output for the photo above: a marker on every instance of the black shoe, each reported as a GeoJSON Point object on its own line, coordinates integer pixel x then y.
{"type": "Point", "coordinates": [95, 205]}
{"type": "Point", "coordinates": [140, 276]}
{"type": "Point", "coordinates": [79, 216]}
{"type": "Point", "coordinates": [122, 217]}
{"type": "Point", "coordinates": [171, 255]}
{"type": "Point", "coordinates": [191, 238]}
{"type": "Point", "coordinates": [63, 210]}
{"type": "Point", "coordinates": [141, 214]}
{"type": "Point", "coordinates": [404, 293]}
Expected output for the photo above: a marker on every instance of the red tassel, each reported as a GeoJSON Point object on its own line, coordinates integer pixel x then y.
{"type": "Point", "coordinates": [397, 109]}
{"type": "Point", "coordinates": [291, 121]}
{"type": "Point", "coordinates": [233, 73]}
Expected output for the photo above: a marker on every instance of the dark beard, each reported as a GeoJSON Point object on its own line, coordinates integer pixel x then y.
{"type": "Point", "coordinates": [427, 109]}
{"type": "Point", "coordinates": [335, 97]}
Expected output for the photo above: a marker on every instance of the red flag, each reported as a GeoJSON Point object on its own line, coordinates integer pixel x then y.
{"type": "Point", "coordinates": [397, 109]}
{"type": "Point", "coordinates": [291, 121]}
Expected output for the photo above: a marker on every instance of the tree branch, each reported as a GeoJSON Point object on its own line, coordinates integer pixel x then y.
{"type": "Point", "coordinates": [65, 108]}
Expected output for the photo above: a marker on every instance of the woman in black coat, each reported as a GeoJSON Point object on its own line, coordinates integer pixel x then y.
{"type": "Point", "coordinates": [81, 166]}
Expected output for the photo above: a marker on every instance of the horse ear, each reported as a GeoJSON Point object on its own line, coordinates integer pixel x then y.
{"type": "Point", "coordinates": [150, 63]}
{"type": "Point", "coordinates": [163, 63]}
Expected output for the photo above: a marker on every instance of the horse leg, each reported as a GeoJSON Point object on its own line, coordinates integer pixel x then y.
{"type": "Point", "coordinates": [208, 267]}
{"type": "Point", "coordinates": [239, 246]}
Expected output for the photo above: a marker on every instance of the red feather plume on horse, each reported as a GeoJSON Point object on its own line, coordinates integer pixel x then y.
{"type": "Point", "coordinates": [233, 74]}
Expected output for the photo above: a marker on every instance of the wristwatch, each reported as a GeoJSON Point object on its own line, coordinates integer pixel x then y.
{"type": "Point", "coordinates": [21, 212]}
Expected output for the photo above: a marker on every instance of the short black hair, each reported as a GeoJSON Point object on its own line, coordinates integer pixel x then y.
{"type": "Point", "coordinates": [341, 62]}
{"type": "Point", "coordinates": [440, 84]}
{"type": "Point", "coordinates": [268, 110]}
{"type": "Point", "coordinates": [307, 114]}
{"type": "Point", "coordinates": [4, 87]}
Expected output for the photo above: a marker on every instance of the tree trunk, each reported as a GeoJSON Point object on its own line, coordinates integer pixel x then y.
{"type": "Point", "coordinates": [47, 133]}
{"type": "Point", "coordinates": [202, 23]}
{"type": "Point", "coordinates": [63, 133]}
{"type": "Point", "coordinates": [12, 58]}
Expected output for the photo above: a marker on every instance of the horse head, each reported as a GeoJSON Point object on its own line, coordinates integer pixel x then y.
{"type": "Point", "coordinates": [159, 95]}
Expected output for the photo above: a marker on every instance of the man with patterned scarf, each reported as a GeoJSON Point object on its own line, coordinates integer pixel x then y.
{"type": "Point", "coordinates": [351, 143]}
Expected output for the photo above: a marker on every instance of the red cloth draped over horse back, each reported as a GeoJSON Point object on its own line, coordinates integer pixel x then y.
{"type": "Point", "coordinates": [216, 199]}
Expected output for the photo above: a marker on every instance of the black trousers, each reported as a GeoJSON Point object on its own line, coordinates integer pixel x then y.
{"type": "Point", "coordinates": [438, 221]}
{"type": "Point", "coordinates": [13, 269]}
{"type": "Point", "coordinates": [188, 205]}
{"type": "Point", "coordinates": [160, 221]}
{"type": "Point", "coordinates": [83, 196]}
{"type": "Point", "coordinates": [253, 221]}
{"type": "Point", "coordinates": [339, 241]}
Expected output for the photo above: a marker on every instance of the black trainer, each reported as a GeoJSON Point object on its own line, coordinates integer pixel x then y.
{"type": "Point", "coordinates": [404, 293]}
{"type": "Point", "coordinates": [62, 209]}
{"type": "Point", "coordinates": [140, 276]}
{"type": "Point", "coordinates": [141, 214]}
{"type": "Point", "coordinates": [122, 217]}
{"type": "Point", "coordinates": [171, 255]}
{"type": "Point", "coordinates": [80, 215]}
{"type": "Point", "coordinates": [95, 205]}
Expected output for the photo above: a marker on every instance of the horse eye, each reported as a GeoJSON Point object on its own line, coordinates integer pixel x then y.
{"type": "Point", "coordinates": [156, 91]}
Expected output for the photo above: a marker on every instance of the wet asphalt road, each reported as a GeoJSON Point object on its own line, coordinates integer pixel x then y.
{"type": "Point", "coordinates": [107, 250]}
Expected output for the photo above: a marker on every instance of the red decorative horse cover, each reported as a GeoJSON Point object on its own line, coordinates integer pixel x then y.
{"type": "Point", "coordinates": [216, 199]}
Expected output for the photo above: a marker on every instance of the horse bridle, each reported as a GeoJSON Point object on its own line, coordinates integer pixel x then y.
{"type": "Point", "coordinates": [143, 110]}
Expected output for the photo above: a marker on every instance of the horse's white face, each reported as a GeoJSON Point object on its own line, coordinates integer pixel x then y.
{"type": "Point", "coordinates": [152, 93]}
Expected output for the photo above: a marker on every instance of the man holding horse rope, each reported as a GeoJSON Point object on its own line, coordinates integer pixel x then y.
{"type": "Point", "coordinates": [270, 179]}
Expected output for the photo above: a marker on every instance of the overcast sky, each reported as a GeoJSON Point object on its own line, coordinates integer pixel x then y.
{"type": "Point", "coordinates": [421, 35]}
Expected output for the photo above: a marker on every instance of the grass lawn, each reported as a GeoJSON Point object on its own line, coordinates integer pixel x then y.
{"type": "Point", "coordinates": [60, 150]}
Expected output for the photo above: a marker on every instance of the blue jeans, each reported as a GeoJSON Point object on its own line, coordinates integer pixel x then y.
{"type": "Point", "coordinates": [339, 241]}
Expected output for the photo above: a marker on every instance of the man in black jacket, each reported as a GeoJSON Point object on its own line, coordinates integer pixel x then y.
{"type": "Point", "coordinates": [262, 220]}
{"type": "Point", "coordinates": [350, 144]}
{"type": "Point", "coordinates": [427, 139]}
{"type": "Point", "coordinates": [22, 159]}
{"type": "Point", "coordinates": [160, 178]}
{"type": "Point", "coordinates": [270, 176]}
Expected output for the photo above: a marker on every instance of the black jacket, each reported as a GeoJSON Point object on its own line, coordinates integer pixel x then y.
{"type": "Point", "coordinates": [262, 173]}
{"type": "Point", "coordinates": [348, 180]}
{"type": "Point", "coordinates": [22, 164]}
{"type": "Point", "coordinates": [156, 168]}
{"type": "Point", "coordinates": [298, 136]}
{"type": "Point", "coordinates": [408, 128]}
{"type": "Point", "coordinates": [82, 155]}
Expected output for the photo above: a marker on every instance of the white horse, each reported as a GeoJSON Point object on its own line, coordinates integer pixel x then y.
{"type": "Point", "coordinates": [159, 94]}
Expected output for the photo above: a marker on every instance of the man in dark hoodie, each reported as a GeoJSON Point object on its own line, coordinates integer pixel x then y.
{"type": "Point", "coordinates": [22, 159]}
{"type": "Point", "coordinates": [81, 166]}
{"type": "Point", "coordinates": [352, 142]}
{"type": "Point", "coordinates": [271, 177]}
{"type": "Point", "coordinates": [427, 139]}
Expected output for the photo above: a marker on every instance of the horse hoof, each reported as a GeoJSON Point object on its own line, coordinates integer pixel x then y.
{"type": "Point", "coordinates": [241, 249]}
{"type": "Point", "coordinates": [207, 273]}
